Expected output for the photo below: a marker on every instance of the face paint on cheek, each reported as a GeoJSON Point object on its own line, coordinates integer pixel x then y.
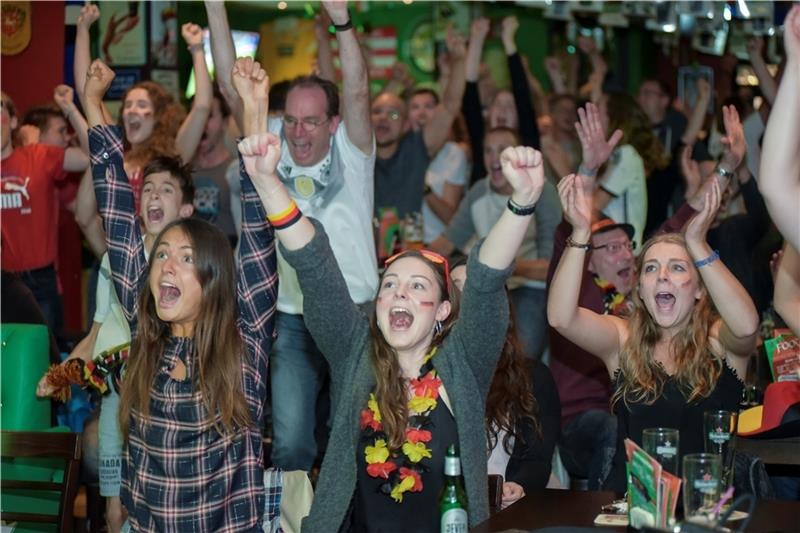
{"type": "Point", "coordinates": [426, 304]}
{"type": "Point", "coordinates": [686, 284]}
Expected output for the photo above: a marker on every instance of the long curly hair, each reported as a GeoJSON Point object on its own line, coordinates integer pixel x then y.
{"type": "Point", "coordinates": [390, 390]}
{"type": "Point", "coordinates": [697, 367]}
{"type": "Point", "coordinates": [510, 399]}
{"type": "Point", "coordinates": [168, 115]}
{"type": "Point", "coordinates": [218, 347]}
{"type": "Point", "coordinates": [625, 114]}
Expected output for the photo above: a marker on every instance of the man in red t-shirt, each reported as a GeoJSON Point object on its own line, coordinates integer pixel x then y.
{"type": "Point", "coordinates": [29, 223]}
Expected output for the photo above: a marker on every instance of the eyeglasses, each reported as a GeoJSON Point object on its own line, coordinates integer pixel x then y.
{"type": "Point", "coordinates": [393, 115]}
{"type": "Point", "coordinates": [616, 247]}
{"type": "Point", "coordinates": [308, 124]}
{"type": "Point", "coordinates": [431, 256]}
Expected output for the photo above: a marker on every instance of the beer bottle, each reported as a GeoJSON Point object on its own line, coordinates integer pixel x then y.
{"type": "Point", "coordinates": [453, 500]}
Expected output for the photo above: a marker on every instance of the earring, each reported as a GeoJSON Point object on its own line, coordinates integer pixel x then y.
{"type": "Point", "coordinates": [437, 328]}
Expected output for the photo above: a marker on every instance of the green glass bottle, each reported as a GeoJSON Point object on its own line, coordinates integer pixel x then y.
{"type": "Point", "coordinates": [453, 499]}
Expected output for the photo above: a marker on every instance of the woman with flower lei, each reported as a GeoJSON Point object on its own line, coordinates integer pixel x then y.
{"type": "Point", "coordinates": [406, 380]}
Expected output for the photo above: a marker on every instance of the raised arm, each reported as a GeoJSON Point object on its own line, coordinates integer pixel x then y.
{"type": "Point", "coordinates": [558, 82]}
{"type": "Point", "coordinates": [355, 83]}
{"type": "Point", "coordinates": [526, 114]}
{"type": "Point", "coordinates": [787, 288]}
{"type": "Point", "coordinates": [437, 129]}
{"type": "Point", "coordinates": [779, 177]}
{"type": "Point", "coordinates": [258, 266]}
{"type": "Point", "coordinates": [755, 51]}
{"type": "Point", "coordinates": [83, 54]}
{"type": "Point", "coordinates": [698, 113]}
{"type": "Point", "coordinates": [64, 98]}
{"type": "Point", "coordinates": [224, 54]}
{"type": "Point", "coordinates": [325, 68]}
{"type": "Point", "coordinates": [87, 217]}
{"type": "Point", "coordinates": [114, 195]}
{"type": "Point", "coordinates": [471, 107]}
{"type": "Point", "coordinates": [739, 326]}
{"type": "Point", "coordinates": [191, 131]}
{"type": "Point", "coordinates": [601, 335]}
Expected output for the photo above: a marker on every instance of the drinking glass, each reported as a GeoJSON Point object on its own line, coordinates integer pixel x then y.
{"type": "Point", "coordinates": [663, 445]}
{"type": "Point", "coordinates": [719, 428]}
{"type": "Point", "coordinates": [702, 474]}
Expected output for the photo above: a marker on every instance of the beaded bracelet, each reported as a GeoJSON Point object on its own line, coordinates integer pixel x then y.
{"type": "Point", "coordinates": [583, 246]}
{"type": "Point", "coordinates": [708, 260]}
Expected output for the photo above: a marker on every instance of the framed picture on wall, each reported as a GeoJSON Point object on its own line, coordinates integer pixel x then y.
{"type": "Point", "coordinates": [169, 80]}
{"type": "Point", "coordinates": [164, 34]}
{"type": "Point", "coordinates": [122, 34]}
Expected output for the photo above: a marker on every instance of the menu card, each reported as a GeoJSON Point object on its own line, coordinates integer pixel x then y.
{"type": "Point", "coordinates": [652, 491]}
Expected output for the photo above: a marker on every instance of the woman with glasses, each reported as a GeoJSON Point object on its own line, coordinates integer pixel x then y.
{"type": "Point", "coordinates": [684, 348]}
{"type": "Point", "coordinates": [407, 381]}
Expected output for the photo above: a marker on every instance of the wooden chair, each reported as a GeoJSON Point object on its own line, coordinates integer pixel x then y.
{"type": "Point", "coordinates": [44, 445]}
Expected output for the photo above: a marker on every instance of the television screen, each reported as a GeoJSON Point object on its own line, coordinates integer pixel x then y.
{"type": "Point", "coordinates": [245, 43]}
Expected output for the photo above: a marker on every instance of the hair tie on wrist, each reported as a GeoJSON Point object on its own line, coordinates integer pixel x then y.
{"type": "Point", "coordinates": [346, 26]}
{"type": "Point", "coordinates": [708, 260]}
{"type": "Point", "coordinates": [286, 218]}
{"type": "Point", "coordinates": [520, 210]}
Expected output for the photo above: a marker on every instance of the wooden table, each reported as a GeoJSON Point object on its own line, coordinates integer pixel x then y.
{"type": "Point", "coordinates": [548, 508]}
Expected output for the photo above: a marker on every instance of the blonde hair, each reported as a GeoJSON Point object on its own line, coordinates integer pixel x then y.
{"type": "Point", "coordinates": [697, 367]}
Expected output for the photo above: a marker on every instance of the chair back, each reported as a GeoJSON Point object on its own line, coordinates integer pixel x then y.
{"type": "Point", "coordinates": [25, 359]}
{"type": "Point", "coordinates": [42, 445]}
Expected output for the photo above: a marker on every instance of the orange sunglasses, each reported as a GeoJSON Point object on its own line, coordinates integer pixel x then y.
{"type": "Point", "coordinates": [433, 257]}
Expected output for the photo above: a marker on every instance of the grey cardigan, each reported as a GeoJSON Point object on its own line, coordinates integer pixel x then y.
{"type": "Point", "coordinates": [465, 362]}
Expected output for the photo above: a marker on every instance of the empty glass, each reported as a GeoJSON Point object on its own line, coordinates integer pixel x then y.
{"type": "Point", "coordinates": [719, 429]}
{"type": "Point", "coordinates": [663, 445]}
{"type": "Point", "coordinates": [702, 473]}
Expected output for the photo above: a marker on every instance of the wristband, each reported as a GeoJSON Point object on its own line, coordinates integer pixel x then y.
{"type": "Point", "coordinates": [286, 218]}
{"type": "Point", "coordinates": [346, 26]}
{"type": "Point", "coordinates": [583, 246]}
{"type": "Point", "coordinates": [583, 171]}
{"type": "Point", "coordinates": [722, 172]}
{"type": "Point", "coordinates": [195, 47]}
{"type": "Point", "coordinates": [520, 210]}
{"type": "Point", "coordinates": [708, 260]}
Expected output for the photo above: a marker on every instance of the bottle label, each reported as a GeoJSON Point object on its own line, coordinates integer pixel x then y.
{"type": "Point", "coordinates": [454, 521]}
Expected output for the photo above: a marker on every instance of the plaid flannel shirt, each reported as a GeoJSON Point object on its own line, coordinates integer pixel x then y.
{"type": "Point", "coordinates": [178, 473]}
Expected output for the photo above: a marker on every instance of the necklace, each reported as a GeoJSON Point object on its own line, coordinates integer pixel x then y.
{"type": "Point", "coordinates": [402, 469]}
{"type": "Point", "coordinates": [614, 302]}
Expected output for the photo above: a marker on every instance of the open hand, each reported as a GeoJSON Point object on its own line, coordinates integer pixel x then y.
{"type": "Point", "coordinates": [337, 10]}
{"type": "Point", "coordinates": [261, 153]}
{"type": "Point", "coordinates": [98, 80]}
{"type": "Point", "coordinates": [524, 169]}
{"type": "Point", "coordinates": [592, 134]}
{"type": "Point", "coordinates": [192, 34]}
{"type": "Point", "coordinates": [576, 203]}
{"type": "Point", "coordinates": [697, 228]}
{"type": "Point", "coordinates": [251, 81]}
{"type": "Point", "coordinates": [734, 146]}
{"type": "Point", "coordinates": [89, 15]}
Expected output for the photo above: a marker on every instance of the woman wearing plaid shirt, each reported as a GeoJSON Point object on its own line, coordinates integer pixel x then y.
{"type": "Point", "coordinates": [192, 396]}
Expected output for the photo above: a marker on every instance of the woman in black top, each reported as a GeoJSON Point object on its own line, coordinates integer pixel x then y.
{"type": "Point", "coordinates": [691, 332]}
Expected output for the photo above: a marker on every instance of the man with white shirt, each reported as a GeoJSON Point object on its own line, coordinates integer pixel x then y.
{"type": "Point", "coordinates": [327, 164]}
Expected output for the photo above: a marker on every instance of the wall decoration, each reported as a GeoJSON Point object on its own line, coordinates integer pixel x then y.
{"type": "Point", "coordinates": [122, 34]}
{"type": "Point", "coordinates": [164, 34]}
{"type": "Point", "coordinates": [16, 27]}
{"type": "Point", "coordinates": [125, 77]}
{"type": "Point", "coordinates": [169, 80]}
{"type": "Point", "coordinates": [288, 48]}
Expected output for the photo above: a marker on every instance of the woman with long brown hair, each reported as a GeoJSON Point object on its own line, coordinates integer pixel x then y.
{"type": "Point", "coordinates": [683, 351]}
{"type": "Point", "coordinates": [406, 381]}
{"type": "Point", "coordinates": [523, 414]}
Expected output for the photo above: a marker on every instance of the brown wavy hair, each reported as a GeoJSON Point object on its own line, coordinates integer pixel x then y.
{"type": "Point", "coordinates": [625, 114]}
{"type": "Point", "coordinates": [510, 399]}
{"type": "Point", "coordinates": [218, 347]}
{"type": "Point", "coordinates": [168, 115]}
{"type": "Point", "coordinates": [390, 390]}
{"type": "Point", "coordinates": [698, 369]}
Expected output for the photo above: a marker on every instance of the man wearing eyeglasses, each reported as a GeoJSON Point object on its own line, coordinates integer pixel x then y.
{"type": "Point", "coordinates": [404, 153]}
{"type": "Point", "coordinates": [327, 164]}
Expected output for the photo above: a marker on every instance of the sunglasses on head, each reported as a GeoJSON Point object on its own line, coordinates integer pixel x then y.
{"type": "Point", "coordinates": [433, 257]}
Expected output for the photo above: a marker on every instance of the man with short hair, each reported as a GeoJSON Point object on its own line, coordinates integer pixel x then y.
{"type": "Point", "coordinates": [404, 153]}
{"type": "Point", "coordinates": [327, 163]}
{"type": "Point", "coordinates": [29, 176]}
{"type": "Point", "coordinates": [51, 124]}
